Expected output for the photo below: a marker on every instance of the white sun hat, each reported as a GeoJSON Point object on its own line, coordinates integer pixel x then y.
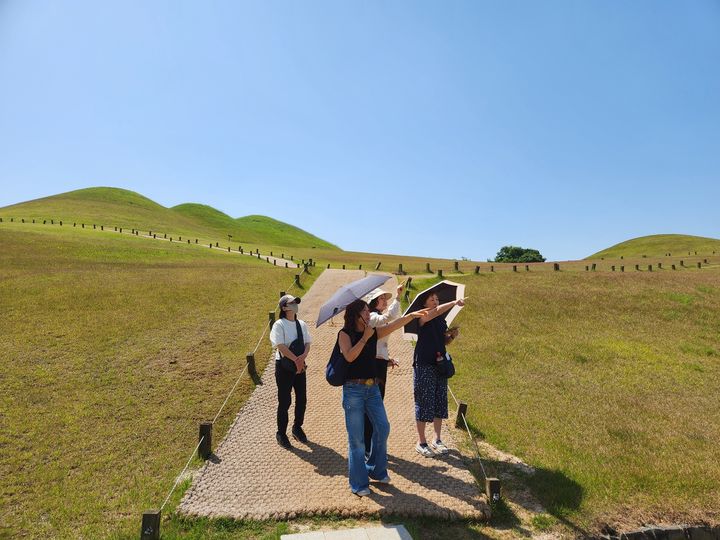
{"type": "Point", "coordinates": [376, 293]}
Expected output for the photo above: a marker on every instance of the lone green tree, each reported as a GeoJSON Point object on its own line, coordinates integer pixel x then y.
{"type": "Point", "coordinates": [515, 254]}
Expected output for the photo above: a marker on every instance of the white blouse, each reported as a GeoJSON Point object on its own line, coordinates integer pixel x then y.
{"type": "Point", "coordinates": [382, 319]}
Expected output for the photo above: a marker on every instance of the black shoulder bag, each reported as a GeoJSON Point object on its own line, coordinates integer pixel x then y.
{"type": "Point", "coordinates": [297, 347]}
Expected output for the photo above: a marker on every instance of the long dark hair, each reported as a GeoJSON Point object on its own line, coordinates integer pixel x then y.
{"type": "Point", "coordinates": [352, 312]}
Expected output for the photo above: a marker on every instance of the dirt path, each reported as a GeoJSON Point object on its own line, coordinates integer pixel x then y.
{"type": "Point", "coordinates": [252, 477]}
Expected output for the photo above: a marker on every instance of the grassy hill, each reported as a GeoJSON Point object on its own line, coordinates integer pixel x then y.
{"type": "Point", "coordinates": [127, 209]}
{"type": "Point", "coordinates": [659, 245]}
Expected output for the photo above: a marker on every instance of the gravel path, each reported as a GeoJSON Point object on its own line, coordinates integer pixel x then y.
{"type": "Point", "coordinates": [252, 477]}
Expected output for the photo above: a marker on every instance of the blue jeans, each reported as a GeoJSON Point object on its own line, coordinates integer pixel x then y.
{"type": "Point", "coordinates": [359, 400]}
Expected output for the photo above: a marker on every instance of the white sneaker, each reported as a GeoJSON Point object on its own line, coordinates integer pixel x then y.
{"type": "Point", "coordinates": [424, 450]}
{"type": "Point", "coordinates": [439, 447]}
{"type": "Point", "coordinates": [363, 492]}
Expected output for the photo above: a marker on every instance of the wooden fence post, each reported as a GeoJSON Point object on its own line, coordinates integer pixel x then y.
{"type": "Point", "coordinates": [297, 280]}
{"type": "Point", "coordinates": [593, 266]}
{"type": "Point", "coordinates": [613, 267]}
{"type": "Point", "coordinates": [649, 267]}
{"type": "Point", "coordinates": [527, 267]}
{"type": "Point", "coordinates": [457, 267]}
{"type": "Point", "coordinates": [462, 411]}
{"type": "Point", "coordinates": [439, 273]}
{"type": "Point", "coordinates": [514, 267]}
{"type": "Point", "coordinates": [673, 267]}
{"type": "Point", "coordinates": [271, 318]}
{"type": "Point", "coordinates": [427, 268]}
{"type": "Point", "coordinates": [699, 264]}
{"type": "Point", "coordinates": [492, 489]}
{"type": "Point", "coordinates": [377, 266]}
{"type": "Point", "coordinates": [492, 268]}
{"type": "Point", "coordinates": [205, 448]}
{"type": "Point", "coordinates": [622, 268]}
{"type": "Point", "coordinates": [587, 268]}
{"type": "Point", "coordinates": [360, 267]}
{"type": "Point", "coordinates": [400, 269]}
{"type": "Point", "coordinates": [556, 267]}
{"type": "Point", "coordinates": [637, 267]}
{"type": "Point", "coordinates": [477, 269]}
{"type": "Point", "coordinates": [150, 528]}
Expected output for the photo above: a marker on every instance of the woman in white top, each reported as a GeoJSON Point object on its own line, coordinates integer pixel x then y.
{"type": "Point", "coordinates": [381, 315]}
{"type": "Point", "coordinates": [291, 339]}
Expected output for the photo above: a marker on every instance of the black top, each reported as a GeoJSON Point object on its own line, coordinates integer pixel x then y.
{"type": "Point", "coordinates": [431, 340]}
{"type": "Point", "coordinates": [364, 365]}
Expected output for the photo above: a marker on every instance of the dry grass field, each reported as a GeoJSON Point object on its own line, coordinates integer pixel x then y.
{"type": "Point", "coordinates": [607, 383]}
{"type": "Point", "coordinates": [114, 349]}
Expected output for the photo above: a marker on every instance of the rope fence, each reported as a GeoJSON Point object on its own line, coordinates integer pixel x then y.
{"type": "Point", "coordinates": [695, 259]}
{"type": "Point", "coordinates": [492, 485]}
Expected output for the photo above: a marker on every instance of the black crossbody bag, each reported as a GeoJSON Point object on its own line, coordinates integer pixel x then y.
{"type": "Point", "coordinates": [297, 347]}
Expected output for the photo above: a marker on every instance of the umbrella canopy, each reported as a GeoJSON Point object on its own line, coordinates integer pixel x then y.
{"type": "Point", "coordinates": [447, 291]}
{"type": "Point", "coordinates": [347, 294]}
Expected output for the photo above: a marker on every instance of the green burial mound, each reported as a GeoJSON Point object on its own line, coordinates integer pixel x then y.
{"type": "Point", "coordinates": [659, 245]}
{"type": "Point", "coordinates": [123, 208]}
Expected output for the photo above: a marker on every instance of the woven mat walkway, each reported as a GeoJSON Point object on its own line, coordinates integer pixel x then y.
{"type": "Point", "coordinates": [252, 477]}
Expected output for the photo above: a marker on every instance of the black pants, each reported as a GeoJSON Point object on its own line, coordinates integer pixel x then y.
{"type": "Point", "coordinates": [286, 381]}
{"type": "Point", "coordinates": [381, 373]}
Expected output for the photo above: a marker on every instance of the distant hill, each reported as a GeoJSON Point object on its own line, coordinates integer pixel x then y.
{"type": "Point", "coordinates": [658, 245]}
{"type": "Point", "coordinates": [123, 208]}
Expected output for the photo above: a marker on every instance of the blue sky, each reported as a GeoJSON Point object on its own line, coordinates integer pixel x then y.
{"type": "Point", "coordinates": [427, 128]}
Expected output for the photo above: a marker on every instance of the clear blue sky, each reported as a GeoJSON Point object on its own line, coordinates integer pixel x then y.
{"type": "Point", "coordinates": [429, 128]}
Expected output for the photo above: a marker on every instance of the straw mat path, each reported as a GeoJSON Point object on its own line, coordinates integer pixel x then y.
{"type": "Point", "coordinates": [252, 477]}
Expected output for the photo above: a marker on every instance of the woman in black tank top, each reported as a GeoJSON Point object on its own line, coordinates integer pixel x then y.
{"type": "Point", "coordinates": [361, 396]}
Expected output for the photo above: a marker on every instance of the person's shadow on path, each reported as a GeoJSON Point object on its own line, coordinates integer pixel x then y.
{"type": "Point", "coordinates": [327, 462]}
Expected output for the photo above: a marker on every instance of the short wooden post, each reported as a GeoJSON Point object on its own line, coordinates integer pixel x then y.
{"type": "Point", "coordinates": [682, 263]}
{"type": "Point", "coordinates": [74, 224]}
{"type": "Point", "coordinates": [205, 438]}
{"type": "Point", "coordinates": [556, 267]}
{"type": "Point", "coordinates": [649, 267]}
{"type": "Point", "coordinates": [461, 412]}
{"type": "Point", "coordinates": [400, 269]}
{"type": "Point", "coordinates": [291, 257]}
{"type": "Point", "coordinates": [377, 266]}
{"type": "Point", "coordinates": [439, 273]}
{"type": "Point", "coordinates": [196, 240]}
{"type": "Point", "coordinates": [282, 255]}
{"type": "Point", "coordinates": [514, 267]}
{"type": "Point", "coordinates": [477, 269]}
{"type": "Point", "coordinates": [492, 489]}
{"type": "Point", "coordinates": [673, 267]}
{"type": "Point", "coordinates": [165, 235]}
{"type": "Point", "coordinates": [53, 223]}
{"type": "Point", "coordinates": [150, 528]}
{"type": "Point", "coordinates": [527, 267]}
{"type": "Point", "coordinates": [274, 262]}
{"type": "Point", "coordinates": [271, 318]}
{"type": "Point", "coordinates": [593, 266]}
{"type": "Point", "coordinates": [188, 241]}
{"type": "Point", "coordinates": [492, 268]}
{"type": "Point", "coordinates": [587, 268]}
{"type": "Point", "coordinates": [271, 254]}
{"type": "Point", "coordinates": [660, 266]}
{"type": "Point", "coordinates": [427, 268]}
{"type": "Point", "coordinates": [297, 280]}
{"type": "Point", "coordinates": [252, 370]}
{"type": "Point", "coordinates": [622, 268]}
{"type": "Point", "coordinates": [217, 244]}
{"type": "Point", "coordinates": [637, 267]}
{"type": "Point", "coordinates": [94, 227]}
{"type": "Point", "coordinates": [699, 264]}
{"type": "Point", "coordinates": [171, 239]}
{"type": "Point", "coordinates": [179, 238]}
{"type": "Point", "coordinates": [613, 267]}
{"type": "Point", "coordinates": [154, 235]}
{"type": "Point", "coordinates": [457, 267]}
{"type": "Point", "coordinates": [210, 245]}
{"type": "Point", "coordinates": [228, 249]}
{"type": "Point", "coordinates": [12, 220]}
{"type": "Point", "coordinates": [241, 251]}
{"type": "Point", "coordinates": [120, 230]}
{"type": "Point", "coordinates": [705, 261]}
{"type": "Point", "coordinates": [360, 267]}
{"type": "Point", "coordinates": [328, 266]}
{"type": "Point", "coordinates": [102, 227]}
{"type": "Point", "coordinates": [286, 264]}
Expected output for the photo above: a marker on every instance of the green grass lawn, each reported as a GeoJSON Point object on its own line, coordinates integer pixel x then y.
{"type": "Point", "coordinates": [114, 349]}
{"type": "Point", "coordinates": [607, 383]}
